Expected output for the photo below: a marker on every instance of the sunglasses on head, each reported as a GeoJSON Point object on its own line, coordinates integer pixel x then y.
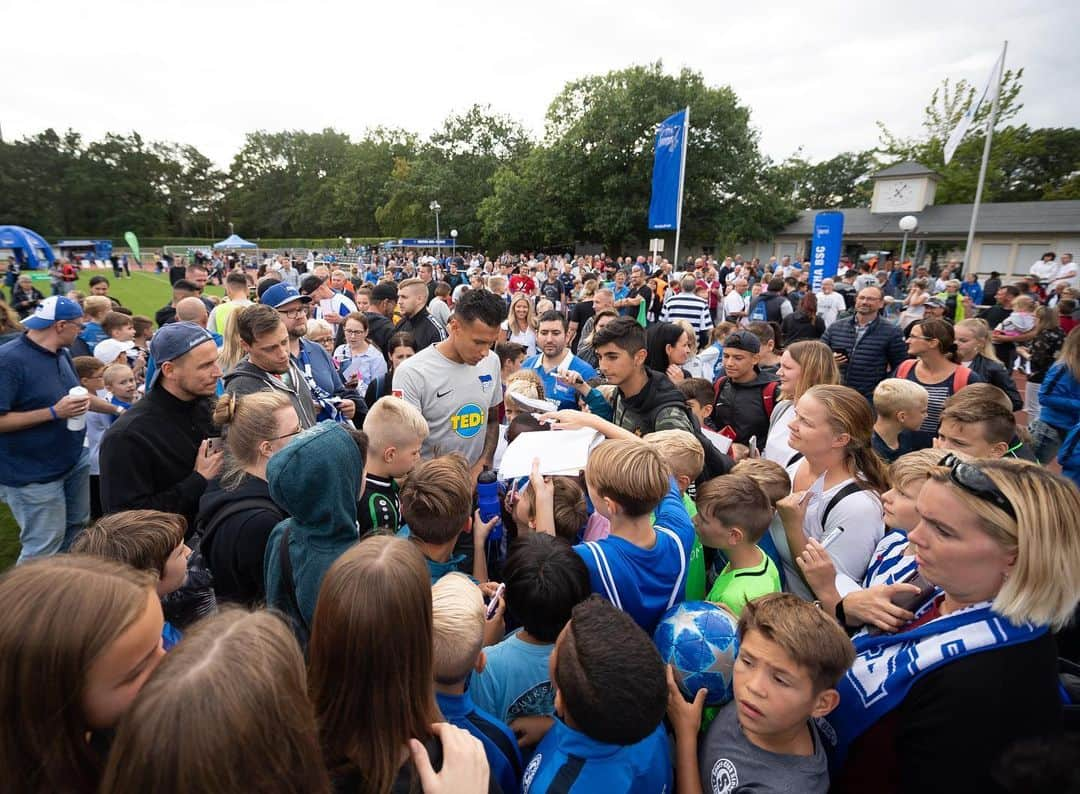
{"type": "Point", "coordinates": [977, 483]}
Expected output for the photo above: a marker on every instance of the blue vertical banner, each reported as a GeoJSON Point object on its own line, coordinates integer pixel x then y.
{"type": "Point", "coordinates": [825, 248]}
{"type": "Point", "coordinates": [668, 163]}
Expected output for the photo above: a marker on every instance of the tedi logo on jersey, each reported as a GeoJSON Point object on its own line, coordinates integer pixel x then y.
{"type": "Point", "coordinates": [467, 421]}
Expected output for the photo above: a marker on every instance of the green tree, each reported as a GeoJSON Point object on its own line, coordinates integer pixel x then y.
{"type": "Point", "coordinates": [600, 131]}
{"type": "Point", "coordinates": [842, 181]}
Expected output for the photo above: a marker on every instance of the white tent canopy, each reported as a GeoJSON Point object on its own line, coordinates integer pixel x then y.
{"type": "Point", "coordinates": [234, 241]}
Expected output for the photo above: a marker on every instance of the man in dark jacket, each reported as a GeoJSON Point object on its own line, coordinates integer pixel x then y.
{"type": "Point", "coordinates": [384, 298]}
{"type": "Point", "coordinates": [646, 401]}
{"type": "Point", "coordinates": [866, 347]}
{"type": "Point", "coordinates": [745, 394]}
{"type": "Point", "coordinates": [415, 318]}
{"type": "Point", "coordinates": [156, 455]}
{"type": "Point", "coordinates": [267, 365]}
{"type": "Point", "coordinates": [771, 306]}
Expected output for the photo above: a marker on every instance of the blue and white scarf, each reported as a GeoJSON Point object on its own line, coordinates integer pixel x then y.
{"type": "Point", "coordinates": [888, 665]}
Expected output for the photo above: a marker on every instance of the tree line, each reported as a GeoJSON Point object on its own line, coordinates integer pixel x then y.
{"type": "Point", "coordinates": [588, 178]}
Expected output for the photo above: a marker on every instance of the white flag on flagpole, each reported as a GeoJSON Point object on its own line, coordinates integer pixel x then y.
{"type": "Point", "coordinates": [965, 121]}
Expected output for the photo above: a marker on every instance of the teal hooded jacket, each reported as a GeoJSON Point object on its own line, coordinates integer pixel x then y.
{"type": "Point", "coordinates": [316, 479]}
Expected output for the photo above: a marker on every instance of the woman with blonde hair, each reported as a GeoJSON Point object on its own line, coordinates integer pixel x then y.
{"type": "Point", "coordinates": [975, 351]}
{"type": "Point", "coordinates": [836, 486]}
{"type": "Point", "coordinates": [520, 324]}
{"type": "Point", "coordinates": [933, 706]}
{"type": "Point", "coordinates": [79, 637]}
{"type": "Point", "coordinates": [802, 365]}
{"type": "Point", "coordinates": [371, 670]}
{"type": "Point", "coordinates": [231, 351]}
{"type": "Point", "coordinates": [227, 710]}
{"type": "Point", "coordinates": [236, 513]}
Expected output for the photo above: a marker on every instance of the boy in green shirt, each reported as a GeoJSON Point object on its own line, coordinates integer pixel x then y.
{"type": "Point", "coordinates": [733, 515]}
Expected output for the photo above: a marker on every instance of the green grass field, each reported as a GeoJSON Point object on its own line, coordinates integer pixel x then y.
{"type": "Point", "coordinates": [143, 293]}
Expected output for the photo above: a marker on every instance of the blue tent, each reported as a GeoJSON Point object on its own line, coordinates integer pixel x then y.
{"type": "Point", "coordinates": [234, 241]}
{"type": "Point", "coordinates": [29, 247]}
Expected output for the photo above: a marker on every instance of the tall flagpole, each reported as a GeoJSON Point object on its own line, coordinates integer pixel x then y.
{"type": "Point", "coordinates": [969, 249]}
{"type": "Point", "coordinates": [682, 178]}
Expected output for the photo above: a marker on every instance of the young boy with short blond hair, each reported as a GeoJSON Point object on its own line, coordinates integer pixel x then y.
{"type": "Point", "coordinates": [900, 405]}
{"type": "Point", "coordinates": [458, 635]}
{"type": "Point", "coordinates": [641, 566]}
{"type": "Point", "coordinates": [396, 431]}
{"type": "Point", "coordinates": [791, 657]}
{"type": "Point", "coordinates": [686, 459]}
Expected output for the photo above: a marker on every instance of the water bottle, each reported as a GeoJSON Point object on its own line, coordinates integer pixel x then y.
{"type": "Point", "coordinates": [487, 498]}
{"type": "Point", "coordinates": [77, 423]}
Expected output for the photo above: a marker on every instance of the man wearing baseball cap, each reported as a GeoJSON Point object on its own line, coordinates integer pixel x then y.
{"type": "Point", "coordinates": [44, 467]}
{"type": "Point", "coordinates": [745, 396]}
{"type": "Point", "coordinates": [156, 456]}
{"type": "Point", "coordinates": [384, 298]}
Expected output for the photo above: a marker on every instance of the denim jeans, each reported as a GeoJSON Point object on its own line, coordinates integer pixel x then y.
{"type": "Point", "coordinates": [1046, 440]}
{"type": "Point", "coordinates": [50, 514]}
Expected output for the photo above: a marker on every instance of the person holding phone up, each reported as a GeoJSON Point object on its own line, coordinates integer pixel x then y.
{"type": "Point", "coordinates": [866, 347]}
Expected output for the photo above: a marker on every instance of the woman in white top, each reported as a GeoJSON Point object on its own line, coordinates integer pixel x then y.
{"type": "Point", "coordinates": [914, 307]}
{"type": "Point", "coordinates": [803, 364]}
{"type": "Point", "coordinates": [835, 488]}
{"type": "Point", "coordinates": [520, 324]}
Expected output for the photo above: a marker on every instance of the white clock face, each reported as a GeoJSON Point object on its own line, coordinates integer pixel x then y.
{"type": "Point", "coordinates": [897, 195]}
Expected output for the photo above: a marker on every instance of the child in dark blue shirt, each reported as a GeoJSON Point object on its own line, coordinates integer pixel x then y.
{"type": "Point", "coordinates": [610, 696]}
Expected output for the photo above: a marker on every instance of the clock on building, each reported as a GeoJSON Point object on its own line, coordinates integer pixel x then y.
{"type": "Point", "coordinates": [905, 187]}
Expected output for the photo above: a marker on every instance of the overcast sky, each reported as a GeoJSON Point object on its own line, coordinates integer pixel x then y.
{"type": "Point", "coordinates": [815, 74]}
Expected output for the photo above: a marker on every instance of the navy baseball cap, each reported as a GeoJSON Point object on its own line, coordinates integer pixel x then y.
{"type": "Point", "coordinates": [173, 341]}
{"type": "Point", "coordinates": [52, 310]}
{"type": "Point", "coordinates": [281, 294]}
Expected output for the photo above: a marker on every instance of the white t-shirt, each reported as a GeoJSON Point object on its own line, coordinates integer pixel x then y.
{"type": "Point", "coordinates": [734, 303]}
{"type": "Point", "coordinates": [1044, 271]}
{"type": "Point", "coordinates": [777, 448]}
{"type": "Point", "coordinates": [860, 515]}
{"type": "Point", "coordinates": [829, 306]}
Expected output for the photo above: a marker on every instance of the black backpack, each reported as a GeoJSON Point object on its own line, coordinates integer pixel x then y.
{"type": "Point", "coordinates": [195, 599]}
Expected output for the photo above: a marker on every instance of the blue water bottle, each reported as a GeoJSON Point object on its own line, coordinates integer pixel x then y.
{"type": "Point", "coordinates": [487, 498]}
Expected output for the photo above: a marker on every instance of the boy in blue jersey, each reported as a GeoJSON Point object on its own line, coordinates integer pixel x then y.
{"type": "Point", "coordinates": [458, 637]}
{"type": "Point", "coordinates": [544, 581]}
{"type": "Point", "coordinates": [641, 566]}
{"type": "Point", "coordinates": [610, 695]}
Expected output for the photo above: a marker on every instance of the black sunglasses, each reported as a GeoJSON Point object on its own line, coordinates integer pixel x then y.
{"type": "Point", "coordinates": [976, 483]}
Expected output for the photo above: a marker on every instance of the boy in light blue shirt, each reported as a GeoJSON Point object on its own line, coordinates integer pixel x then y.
{"type": "Point", "coordinates": [544, 580]}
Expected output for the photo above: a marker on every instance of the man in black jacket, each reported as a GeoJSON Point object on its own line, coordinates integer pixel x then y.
{"type": "Point", "coordinates": [156, 455]}
{"type": "Point", "coordinates": [867, 347]}
{"type": "Point", "coordinates": [415, 318]}
{"type": "Point", "coordinates": [646, 401]}
{"type": "Point", "coordinates": [384, 298]}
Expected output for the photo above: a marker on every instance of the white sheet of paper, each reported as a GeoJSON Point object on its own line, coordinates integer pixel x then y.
{"type": "Point", "coordinates": [721, 442]}
{"type": "Point", "coordinates": [559, 451]}
{"type": "Point", "coordinates": [326, 307]}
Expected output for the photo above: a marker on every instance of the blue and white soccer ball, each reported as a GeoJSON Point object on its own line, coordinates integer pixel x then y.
{"type": "Point", "coordinates": [700, 640]}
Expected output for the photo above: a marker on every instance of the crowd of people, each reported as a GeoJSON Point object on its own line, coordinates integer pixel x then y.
{"type": "Point", "coordinates": [257, 549]}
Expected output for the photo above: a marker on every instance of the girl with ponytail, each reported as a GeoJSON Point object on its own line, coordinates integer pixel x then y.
{"type": "Point", "coordinates": [935, 366]}
{"type": "Point", "coordinates": [835, 498]}
{"type": "Point", "coordinates": [236, 513]}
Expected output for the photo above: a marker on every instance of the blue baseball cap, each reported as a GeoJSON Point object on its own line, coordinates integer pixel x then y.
{"type": "Point", "coordinates": [281, 294]}
{"type": "Point", "coordinates": [173, 341]}
{"type": "Point", "coordinates": [53, 310]}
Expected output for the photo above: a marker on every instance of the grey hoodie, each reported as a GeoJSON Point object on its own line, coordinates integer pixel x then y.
{"type": "Point", "coordinates": [246, 378]}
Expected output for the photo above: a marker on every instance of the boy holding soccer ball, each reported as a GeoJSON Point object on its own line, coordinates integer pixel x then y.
{"type": "Point", "coordinates": [791, 656]}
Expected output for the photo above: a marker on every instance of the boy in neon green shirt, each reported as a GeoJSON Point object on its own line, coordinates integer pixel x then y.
{"type": "Point", "coordinates": [733, 515]}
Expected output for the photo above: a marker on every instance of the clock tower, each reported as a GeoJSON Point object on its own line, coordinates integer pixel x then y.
{"type": "Point", "coordinates": [904, 187]}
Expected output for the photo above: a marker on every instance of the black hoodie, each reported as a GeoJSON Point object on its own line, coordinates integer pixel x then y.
{"type": "Point", "coordinates": [661, 406]}
{"type": "Point", "coordinates": [235, 551]}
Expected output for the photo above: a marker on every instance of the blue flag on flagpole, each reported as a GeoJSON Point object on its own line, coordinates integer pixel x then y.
{"type": "Point", "coordinates": [668, 163]}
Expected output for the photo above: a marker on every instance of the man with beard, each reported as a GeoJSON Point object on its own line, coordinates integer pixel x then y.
{"type": "Point", "coordinates": [333, 399]}
{"type": "Point", "coordinates": [556, 359]}
{"type": "Point", "coordinates": [267, 364]}
{"type": "Point", "coordinates": [156, 455]}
